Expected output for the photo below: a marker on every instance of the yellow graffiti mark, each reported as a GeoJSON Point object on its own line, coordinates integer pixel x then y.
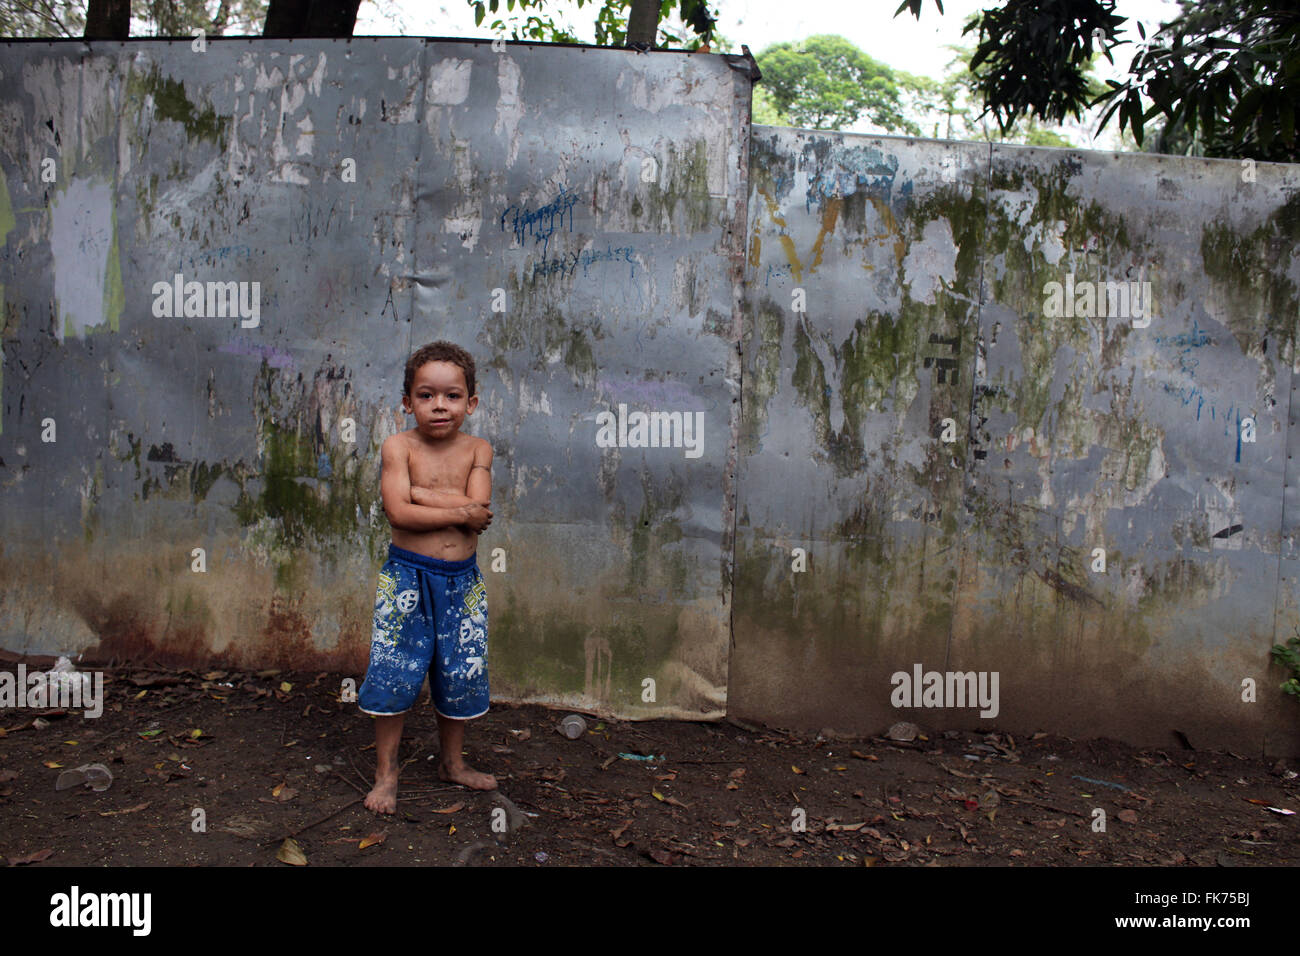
{"type": "Point", "coordinates": [830, 218]}
{"type": "Point", "coordinates": [830, 214]}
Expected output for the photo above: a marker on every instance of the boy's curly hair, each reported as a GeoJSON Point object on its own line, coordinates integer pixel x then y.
{"type": "Point", "coordinates": [440, 351]}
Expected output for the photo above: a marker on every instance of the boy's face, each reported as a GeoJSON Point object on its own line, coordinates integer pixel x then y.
{"type": "Point", "coordinates": [439, 399]}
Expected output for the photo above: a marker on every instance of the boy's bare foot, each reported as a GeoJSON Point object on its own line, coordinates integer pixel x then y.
{"type": "Point", "coordinates": [466, 776]}
{"type": "Point", "coordinates": [383, 798]}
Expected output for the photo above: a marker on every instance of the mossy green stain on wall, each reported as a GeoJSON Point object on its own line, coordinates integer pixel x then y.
{"type": "Point", "coordinates": [762, 379]}
{"type": "Point", "coordinates": [849, 593]}
{"type": "Point", "coordinates": [1251, 270]}
{"type": "Point", "coordinates": [538, 327]}
{"type": "Point", "coordinates": [310, 511]}
{"type": "Point", "coordinates": [171, 103]}
{"type": "Point", "coordinates": [544, 651]}
{"type": "Point", "coordinates": [288, 501]}
{"type": "Point", "coordinates": [652, 564]}
{"type": "Point", "coordinates": [1027, 272]}
{"type": "Point", "coordinates": [114, 294]}
{"type": "Point", "coordinates": [678, 198]}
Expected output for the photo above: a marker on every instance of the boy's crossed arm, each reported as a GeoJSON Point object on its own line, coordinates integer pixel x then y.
{"type": "Point", "coordinates": [422, 509]}
{"type": "Point", "coordinates": [478, 487]}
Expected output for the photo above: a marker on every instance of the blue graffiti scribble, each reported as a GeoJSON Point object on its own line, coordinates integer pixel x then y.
{"type": "Point", "coordinates": [775, 272]}
{"type": "Point", "coordinates": [567, 265]}
{"type": "Point", "coordinates": [845, 171]}
{"type": "Point", "coordinates": [1189, 340]}
{"type": "Point", "coordinates": [1186, 395]}
{"type": "Point", "coordinates": [1238, 437]}
{"type": "Point", "coordinates": [542, 222]}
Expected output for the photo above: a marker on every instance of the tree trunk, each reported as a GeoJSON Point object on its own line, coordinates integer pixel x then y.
{"type": "Point", "coordinates": [311, 18]}
{"type": "Point", "coordinates": [108, 20]}
{"type": "Point", "coordinates": [643, 22]}
{"type": "Point", "coordinates": [333, 18]}
{"type": "Point", "coordinates": [286, 18]}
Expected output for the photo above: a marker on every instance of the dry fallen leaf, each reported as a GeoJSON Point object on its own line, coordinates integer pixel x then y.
{"type": "Point", "coordinates": [452, 809]}
{"type": "Point", "coordinates": [796, 769]}
{"type": "Point", "coordinates": [31, 858]}
{"type": "Point", "coordinates": [53, 765]}
{"type": "Point", "coordinates": [285, 687]}
{"type": "Point", "coordinates": [290, 852]}
{"type": "Point", "coordinates": [114, 813]}
{"type": "Point", "coordinates": [1128, 816]}
{"type": "Point", "coordinates": [374, 839]}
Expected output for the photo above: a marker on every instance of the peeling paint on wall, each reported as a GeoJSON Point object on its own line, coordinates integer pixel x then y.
{"type": "Point", "coordinates": [378, 195]}
{"type": "Point", "coordinates": [988, 412]}
{"type": "Point", "coordinates": [988, 484]}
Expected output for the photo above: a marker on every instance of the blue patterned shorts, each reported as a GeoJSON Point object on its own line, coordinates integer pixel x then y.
{"type": "Point", "coordinates": [430, 617]}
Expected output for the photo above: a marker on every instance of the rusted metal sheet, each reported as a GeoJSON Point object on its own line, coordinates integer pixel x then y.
{"type": "Point", "coordinates": [366, 197]}
{"type": "Point", "coordinates": [1144, 424]}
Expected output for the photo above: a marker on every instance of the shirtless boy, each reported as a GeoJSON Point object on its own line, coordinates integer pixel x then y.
{"type": "Point", "coordinates": [431, 604]}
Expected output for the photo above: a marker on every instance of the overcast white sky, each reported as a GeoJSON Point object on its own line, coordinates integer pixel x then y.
{"type": "Point", "coordinates": [901, 42]}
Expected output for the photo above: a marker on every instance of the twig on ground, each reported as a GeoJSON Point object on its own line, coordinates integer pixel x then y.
{"type": "Point", "coordinates": [302, 829]}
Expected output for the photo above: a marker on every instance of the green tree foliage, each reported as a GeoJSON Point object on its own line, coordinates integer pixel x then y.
{"type": "Point", "coordinates": [180, 18]}
{"type": "Point", "coordinates": [42, 18]}
{"type": "Point", "coordinates": [954, 108]}
{"type": "Point", "coordinates": [1222, 77]}
{"type": "Point", "coordinates": [686, 24]}
{"type": "Point", "coordinates": [825, 82]}
{"type": "Point", "coordinates": [764, 111]}
{"type": "Point", "coordinates": [172, 18]}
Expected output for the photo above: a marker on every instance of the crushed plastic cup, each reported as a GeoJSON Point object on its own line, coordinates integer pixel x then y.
{"type": "Point", "coordinates": [94, 775]}
{"type": "Point", "coordinates": [573, 726]}
{"type": "Point", "coordinates": [66, 677]}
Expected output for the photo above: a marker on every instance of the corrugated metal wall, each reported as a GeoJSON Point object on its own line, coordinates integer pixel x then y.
{"type": "Point", "coordinates": [986, 479]}
{"type": "Point", "coordinates": [947, 445]}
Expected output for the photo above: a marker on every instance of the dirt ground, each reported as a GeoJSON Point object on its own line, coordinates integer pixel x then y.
{"type": "Point", "coordinates": [270, 756]}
